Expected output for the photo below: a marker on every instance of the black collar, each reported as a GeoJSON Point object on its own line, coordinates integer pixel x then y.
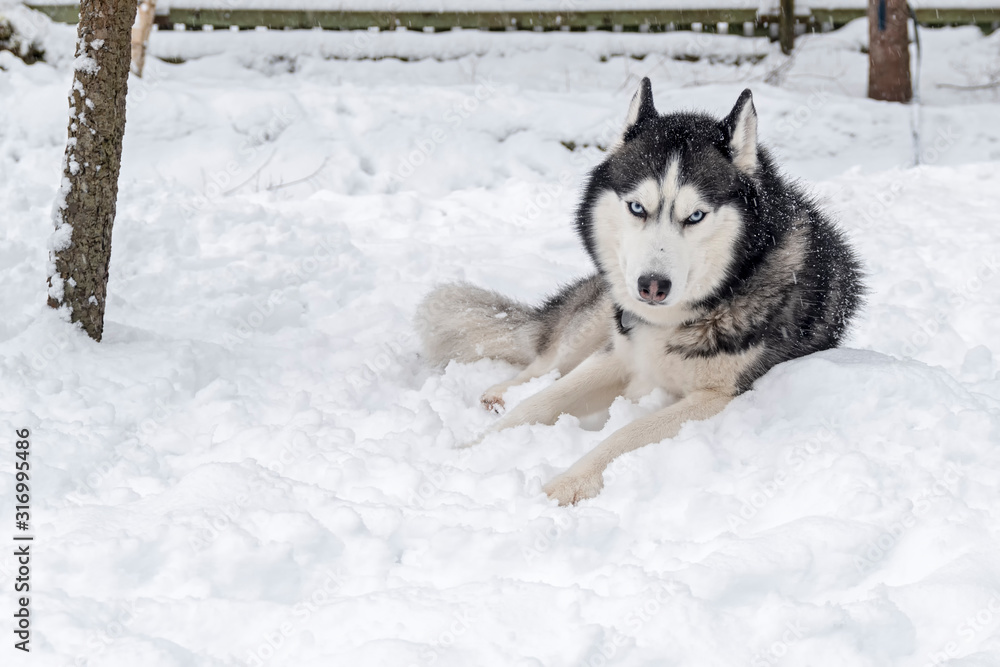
{"type": "Point", "coordinates": [626, 320]}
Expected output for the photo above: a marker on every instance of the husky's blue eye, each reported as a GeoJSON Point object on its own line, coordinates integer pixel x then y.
{"type": "Point", "coordinates": [636, 209]}
{"type": "Point", "coordinates": [695, 217]}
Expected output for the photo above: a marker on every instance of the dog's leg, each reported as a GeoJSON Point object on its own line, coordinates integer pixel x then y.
{"type": "Point", "coordinates": [492, 398]}
{"type": "Point", "coordinates": [578, 339]}
{"type": "Point", "coordinates": [585, 478]}
{"type": "Point", "coordinates": [589, 387]}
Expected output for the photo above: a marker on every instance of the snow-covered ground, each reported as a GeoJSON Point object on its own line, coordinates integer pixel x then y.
{"type": "Point", "coordinates": [256, 468]}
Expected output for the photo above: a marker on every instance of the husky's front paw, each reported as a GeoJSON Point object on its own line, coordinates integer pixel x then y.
{"type": "Point", "coordinates": [571, 487]}
{"type": "Point", "coordinates": [492, 401]}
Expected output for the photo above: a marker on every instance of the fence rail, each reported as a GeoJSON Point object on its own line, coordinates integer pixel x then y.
{"type": "Point", "coordinates": [737, 21]}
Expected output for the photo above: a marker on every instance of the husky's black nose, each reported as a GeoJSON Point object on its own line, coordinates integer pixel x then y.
{"type": "Point", "coordinates": [654, 288]}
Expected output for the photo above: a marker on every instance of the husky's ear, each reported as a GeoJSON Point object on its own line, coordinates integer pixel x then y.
{"type": "Point", "coordinates": [640, 110]}
{"type": "Point", "coordinates": [740, 128]}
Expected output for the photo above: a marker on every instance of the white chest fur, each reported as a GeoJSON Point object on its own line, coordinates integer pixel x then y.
{"type": "Point", "coordinates": [650, 366]}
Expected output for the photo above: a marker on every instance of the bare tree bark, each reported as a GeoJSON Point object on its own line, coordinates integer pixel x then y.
{"type": "Point", "coordinates": [84, 211]}
{"type": "Point", "coordinates": [140, 34]}
{"type": "Point", "coordinates": [888, 51]}
{"type": "Point", "coordinates": [786, 26]}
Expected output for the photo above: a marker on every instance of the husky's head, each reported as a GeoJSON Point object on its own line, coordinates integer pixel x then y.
{"type": "Point", "coordinates": [663, 215]}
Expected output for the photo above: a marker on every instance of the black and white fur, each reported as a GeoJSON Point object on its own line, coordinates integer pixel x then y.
{"type": "Point", "coordinates": [711, 269]}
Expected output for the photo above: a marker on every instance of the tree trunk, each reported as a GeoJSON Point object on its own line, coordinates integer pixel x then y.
{"type": "Point", "coordinates": [140, 35]}
{"type": "Point", "coordinates": [85, 207]}
{"type": "Point", "coordinates": [786, 26]}
{"type": "Point", "coordinates": [888, 51]}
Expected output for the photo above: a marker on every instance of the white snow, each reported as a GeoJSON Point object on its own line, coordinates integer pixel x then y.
{"type": "Point", "coordinates": [85, 62]}
{"type": "Point", "coordinates": [256, 468]}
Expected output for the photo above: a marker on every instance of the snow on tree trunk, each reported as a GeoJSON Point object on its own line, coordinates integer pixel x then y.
{"type": "Point", "coordinates": [84, 212]}
{"type": "Point", "coordinates": [888, 51]}
{"type": "Point", "coordinates": [140, 34]}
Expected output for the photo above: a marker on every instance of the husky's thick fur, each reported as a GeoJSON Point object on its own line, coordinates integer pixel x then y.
{"type": "Point", "coordinates": [711, 269]}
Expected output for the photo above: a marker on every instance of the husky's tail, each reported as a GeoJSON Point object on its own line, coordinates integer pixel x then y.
{"type": "Point", "coordinates": [463, 322]}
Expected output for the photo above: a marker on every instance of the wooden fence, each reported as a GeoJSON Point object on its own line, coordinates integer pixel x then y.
{"type": "Point", "coordinates": [736, 21]}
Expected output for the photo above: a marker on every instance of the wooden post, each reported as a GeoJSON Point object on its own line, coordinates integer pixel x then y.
{"type": "Point", "coordinates": [888, 51]}
{"type": "Point", "coordinates": [140, 34]}
{"type": "Point", "coordinates": [786, 26]}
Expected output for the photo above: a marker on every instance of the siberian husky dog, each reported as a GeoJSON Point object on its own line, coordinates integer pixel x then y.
{"type": "Point", "coordinates": [711, 269]}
